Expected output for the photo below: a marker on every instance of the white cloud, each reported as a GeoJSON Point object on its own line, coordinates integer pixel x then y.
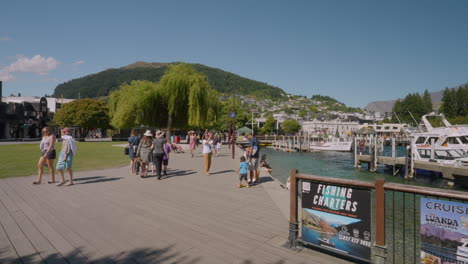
{"type": "Point", "coordinates": [76, 63]}
{"type": "Point", "coordinates": [38, 65]}
{"type": "Point", "coordinates": [5, 38]}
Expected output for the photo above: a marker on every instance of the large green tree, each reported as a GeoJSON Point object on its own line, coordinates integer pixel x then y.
{"type": "Point", "coordinates": [269, 125]}
{"type": "Point", "coordinates": [412, 106]}
{"type": "Point", "coordinates": [181, 99]}
{"type": "Point", "coordinates": [291, 126]}
{"type": "Point", "coordinates": [455, 104]}
{"type": "Point", "coordinates": [427, 101]}
{"type": "Point", "coordinates": [84, 113]}
{"type": "Point", "coordinates": [130, 106]}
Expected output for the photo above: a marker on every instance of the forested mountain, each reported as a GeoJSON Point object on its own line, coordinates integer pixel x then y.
{"type": "Point", "coordinates": [102, 83]}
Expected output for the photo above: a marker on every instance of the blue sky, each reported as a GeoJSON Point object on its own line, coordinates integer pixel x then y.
{"type": "Point", "coordinates": [355, 51]}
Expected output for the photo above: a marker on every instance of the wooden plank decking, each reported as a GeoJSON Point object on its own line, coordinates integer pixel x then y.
{"type": "Point", "coordinates": [111, 216]}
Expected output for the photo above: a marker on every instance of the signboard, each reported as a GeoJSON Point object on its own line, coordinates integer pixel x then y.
{"type": "Point", "coordinates": [444, 232]}
{"type": "Point", "coordinates": [233, 114]}
{"type": "Point", "coordinates": [337, 218]}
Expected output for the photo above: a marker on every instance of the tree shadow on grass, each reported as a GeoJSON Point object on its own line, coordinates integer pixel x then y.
{"type": "Point", "coordinates": [137, 256]}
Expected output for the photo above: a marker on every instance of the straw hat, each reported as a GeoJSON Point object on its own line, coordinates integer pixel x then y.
{"type": "Point", "coordinates": [159, 133]}
{"type": "Point", "coordinates": [148, 133]}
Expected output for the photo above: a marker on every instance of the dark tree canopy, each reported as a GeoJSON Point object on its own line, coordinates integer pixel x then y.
{"type": "Point", "coordinates": [455, 104]}
{"type": "Point", "coordinates": [412, 106]}
{"type": "Point", "coordinates": [102, 83]}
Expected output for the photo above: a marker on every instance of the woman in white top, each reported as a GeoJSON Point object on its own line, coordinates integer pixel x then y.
{"type": "Point", "coordinates": [207, 152]}
{"type": "Point", "coordinates": [47, 147]}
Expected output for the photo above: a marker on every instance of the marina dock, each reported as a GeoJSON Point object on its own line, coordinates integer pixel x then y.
{"type": "Point", "coordinates": [112, 216]}
{"type": "Point", "coordinates": [449, 172]}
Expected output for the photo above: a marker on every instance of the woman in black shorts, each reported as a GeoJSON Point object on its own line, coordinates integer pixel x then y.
{"type": "Point", "coordinates": [48, 155]}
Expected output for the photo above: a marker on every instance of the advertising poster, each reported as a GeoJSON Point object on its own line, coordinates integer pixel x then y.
{"type": "Point", "coordinates": [337, 218]}
{"type": "Point", "coordinates": [444, 232]}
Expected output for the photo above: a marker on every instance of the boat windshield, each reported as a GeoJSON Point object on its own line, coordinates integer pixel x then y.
{"type": "Point", "coordinates": [464, 139]}
{"type": "Point", "coordinates": [455, 153]}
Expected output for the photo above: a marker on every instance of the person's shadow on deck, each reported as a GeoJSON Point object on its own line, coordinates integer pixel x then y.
{"type": "Point", "coordinates": [94, 179]}
{"type": "Point", "coordinates": [173, 173]}
{"type": "Point", "coordinates": [224, 171]}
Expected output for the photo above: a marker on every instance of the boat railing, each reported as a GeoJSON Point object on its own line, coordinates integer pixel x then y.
{"type": "Point", "coordinates": [395, 215]}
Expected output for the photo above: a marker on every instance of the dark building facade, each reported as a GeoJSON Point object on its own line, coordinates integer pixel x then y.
{"type": "Point", "coordinates": [22, 117]}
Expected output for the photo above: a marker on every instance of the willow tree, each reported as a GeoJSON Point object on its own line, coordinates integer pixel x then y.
{"type": "Point", "coordinates": [188, 95]}
{"type": "Point", "coordinates": [182, 98]}
{"type": "Point", "coordinates": [129, 106]}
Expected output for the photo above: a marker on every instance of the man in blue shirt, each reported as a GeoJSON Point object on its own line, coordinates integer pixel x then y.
{"type": "Point", "coordinates": [253, 153]}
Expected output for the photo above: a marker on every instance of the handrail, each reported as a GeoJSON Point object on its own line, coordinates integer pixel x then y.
{"type": "Point", "coordinates": [427, 191]}
{"type": "Point", "coordinates": [357, 183]}
{"type": "Point", "coordinates": [389, 186]}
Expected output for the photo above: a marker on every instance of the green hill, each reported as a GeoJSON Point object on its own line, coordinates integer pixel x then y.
{"type": "Point", "coordinates": [102, 83]}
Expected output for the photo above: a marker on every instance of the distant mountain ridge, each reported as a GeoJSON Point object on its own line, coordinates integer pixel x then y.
{"type": "Point", "coordinates": [387, 106]}
{"type": "Point", "coordinates": [102, 83]}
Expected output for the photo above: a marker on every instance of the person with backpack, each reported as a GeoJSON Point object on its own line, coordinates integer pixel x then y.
{"type": "Point", "coordinates": [253, 152]}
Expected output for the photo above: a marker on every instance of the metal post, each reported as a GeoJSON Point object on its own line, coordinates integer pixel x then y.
{"type": "Point", "coordinates": [407, 161]}
{"type": "Point", "coordinates": [355, 152]}
{"type": "Point", "coordinates": [380, 249]}
{"type": "Point", "coordinates": [432, 148]}
{"type": "Point", "coordinates": [293, 208]}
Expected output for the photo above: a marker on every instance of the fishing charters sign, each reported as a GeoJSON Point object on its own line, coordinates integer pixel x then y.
{"type": "Point", "coordinates": [444, 232]}
{"type": "Point", "coordinates": [337, 218]}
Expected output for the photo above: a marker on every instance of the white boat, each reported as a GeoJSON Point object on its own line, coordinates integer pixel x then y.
{"type": "Point", "coordinates": [447, 144]}
{"type": "Point", "coordinates": [449, 136]}
{"type": "Point", "coordinates": [332, 144]}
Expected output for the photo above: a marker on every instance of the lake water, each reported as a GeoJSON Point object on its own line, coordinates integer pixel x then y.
{"type": "Point", "coordinates": [340, 165]}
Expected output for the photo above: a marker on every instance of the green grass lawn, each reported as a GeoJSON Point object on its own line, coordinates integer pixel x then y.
{"type": "Point", "coordinates": [21, 159]}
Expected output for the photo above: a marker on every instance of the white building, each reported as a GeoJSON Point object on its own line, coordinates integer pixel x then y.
{"type": "Point", "coordinates": [388, 129]}
{"type": "Point", "coordinates": [53, 104]}
{"type": "Point", "coordinates": [344, 128]}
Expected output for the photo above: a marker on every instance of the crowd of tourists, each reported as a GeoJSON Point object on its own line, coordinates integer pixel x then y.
{"type": "Point", "coordinates": [149, 151]}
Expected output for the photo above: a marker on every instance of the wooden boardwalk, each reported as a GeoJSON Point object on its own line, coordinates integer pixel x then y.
{"type": "Point", "coordinates": [111, 216]}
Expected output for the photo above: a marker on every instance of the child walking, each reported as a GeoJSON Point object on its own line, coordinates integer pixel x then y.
{"type": "Point", "coordinates": [242, 171]}
{"type": "Point", "coordinates": [166, 158]}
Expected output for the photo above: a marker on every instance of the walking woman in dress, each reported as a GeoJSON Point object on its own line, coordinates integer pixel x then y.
{"type": "Point", "coordinates": [48, 155]}
{"type": "Point", "coordinates": [144, 152]}
{"type": "Point", "coordinates": [193, 142]}
{"type": "Point", "coordinates": [66, 157]}
{"type": "Point", "coordinates": [159, 151]}
{"type": "Point", "coordinates": [133, 142]}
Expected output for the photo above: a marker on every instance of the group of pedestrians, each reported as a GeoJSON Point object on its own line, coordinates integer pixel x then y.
{"type": "Point", "coordinates": [142, 152]}
{"type": "Point", "coordinates": [48, 155]}
{"type": "Point", "coordinates": [146, 150]}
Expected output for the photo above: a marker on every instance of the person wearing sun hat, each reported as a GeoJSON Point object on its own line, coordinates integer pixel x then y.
{"type": "Point", "coordinates": [66, 156]}
{"type": "Point", "coordinates": [159, 151]}
{"type": "Point", "coordinates": [144, 152]}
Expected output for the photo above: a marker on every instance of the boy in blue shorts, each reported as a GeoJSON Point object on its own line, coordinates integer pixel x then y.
{"type": "Point", "coordinates": [242, 171]}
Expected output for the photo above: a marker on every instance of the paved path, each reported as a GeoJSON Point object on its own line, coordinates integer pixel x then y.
{"type": "Point", "coordinates": [111, 216]}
